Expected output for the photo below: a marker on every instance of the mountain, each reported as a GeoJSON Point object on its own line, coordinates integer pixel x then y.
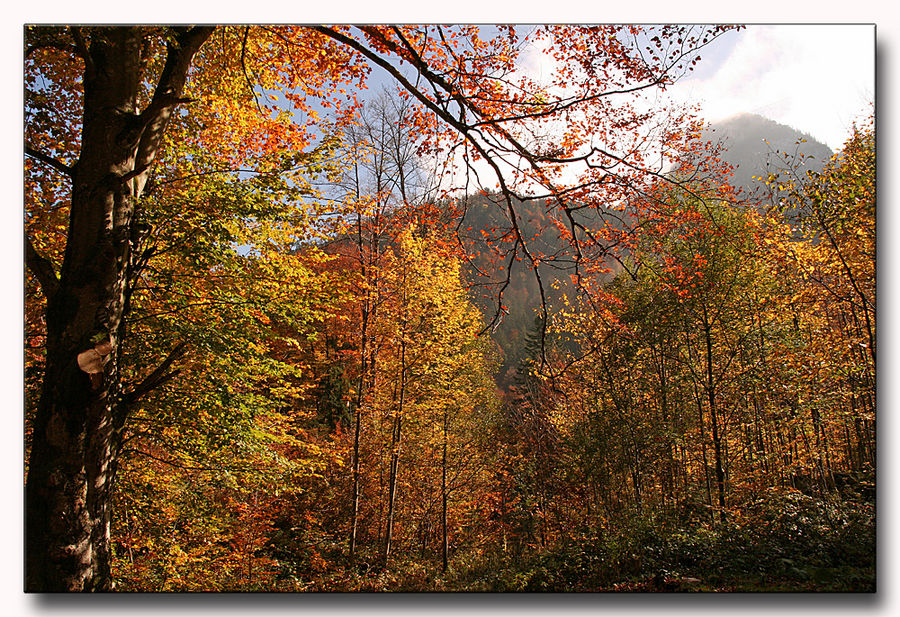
{"type": "Point", "coordinates": [751, 145]}
{"type": "Point", "coordinates": [522, 296]}
{"type": "Point", "coordinates": [755, 146]}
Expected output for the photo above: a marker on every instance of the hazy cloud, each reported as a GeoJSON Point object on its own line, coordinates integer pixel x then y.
{"type": "Point", "coordinates": [817, 78]}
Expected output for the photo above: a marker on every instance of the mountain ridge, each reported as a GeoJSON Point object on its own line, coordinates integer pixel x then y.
{"type": "Point", "coordinates": [756, 146]}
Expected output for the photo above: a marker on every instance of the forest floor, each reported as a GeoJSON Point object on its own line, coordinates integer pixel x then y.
{"type": "Point", "coordinates": [795, 543]}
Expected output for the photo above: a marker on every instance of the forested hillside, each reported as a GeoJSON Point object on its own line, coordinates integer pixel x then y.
{"type": "Point", "coordinates": [272, 343]}
{"type": "Point", "coordinates": [757, 147]}
{"type": "Point", "coordinates": [752, 146]}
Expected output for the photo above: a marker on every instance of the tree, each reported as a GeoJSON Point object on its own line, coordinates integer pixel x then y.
{"type": "Point", "coordinates": [79, 416]}
{"type": "Point", "coordinates": [84, 403]}
{"type": "Point", "coordinates": [828, 259]}
{"type": "Point", "coordinates": [384, 183]}
{"type": "Point", "coordinates": [440, 390]}
{"type": "Point", "coordinates": [100, 102]}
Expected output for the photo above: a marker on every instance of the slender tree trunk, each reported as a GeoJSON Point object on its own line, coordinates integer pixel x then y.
{"type": "Point", "coordinates": [354, 513]}
{"type": "Point", "coordinates": [445, 552]}
{"type": "Point", "coordinates": [669, 475]}
{"type": "Point", "coordinates": [360, 394]}
{"type": "Point", "coordinates": [395, 448]}
{"type": "Point", "coordinates": [714, 417]}
{"type": "Point", "coordinates": [704, 457]}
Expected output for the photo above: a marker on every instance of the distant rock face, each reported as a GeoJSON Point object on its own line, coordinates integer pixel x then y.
{"type": "Point", "coordinates": [755, 146]}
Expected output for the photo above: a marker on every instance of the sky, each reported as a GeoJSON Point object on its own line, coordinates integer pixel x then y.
{"type": "Point", "coordinates": [818, 79]}
{"type": "Point", "coordinates": [815, 78]}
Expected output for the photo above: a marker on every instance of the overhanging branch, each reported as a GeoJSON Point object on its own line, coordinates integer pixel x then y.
{"type": "Point", "coordinates": [49, 160]}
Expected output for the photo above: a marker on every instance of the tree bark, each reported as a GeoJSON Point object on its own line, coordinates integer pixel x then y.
{"type": "Point", "coordinates": [395, 445]}
{"type": "Point", "coordinates": [357, 421]}
{"type": "Point", "coordinates": [714, 416]}
{"type": "Point", "coordinates": [445, 544]}
{"type": "Point", "coordinates": [83, 407]}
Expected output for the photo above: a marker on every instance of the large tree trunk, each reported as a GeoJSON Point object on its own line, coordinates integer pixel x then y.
{"type": "Point", "coordinates": [83, 405]}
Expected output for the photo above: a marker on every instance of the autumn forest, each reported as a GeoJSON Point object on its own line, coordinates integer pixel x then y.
{"type": "Point", "coordinates": [379, 308]}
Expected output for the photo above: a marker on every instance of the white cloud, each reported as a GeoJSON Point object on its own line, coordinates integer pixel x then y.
{"type": "Point", "coordinates": [816, 78]}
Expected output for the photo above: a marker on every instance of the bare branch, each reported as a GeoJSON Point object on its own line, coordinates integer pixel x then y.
{"type": "Point", "coordinates": [49, 160]}
{"type": "Point", "coordinates": [81, 49]}
{"type": "Point", "coordinates": [159, 375]}
{"type": "Point", "coordinates": [244, 68]}
{"type": "Point", "coordinates": [42, 269]}
{"type": "Point", "coordinates": [133, 173]}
